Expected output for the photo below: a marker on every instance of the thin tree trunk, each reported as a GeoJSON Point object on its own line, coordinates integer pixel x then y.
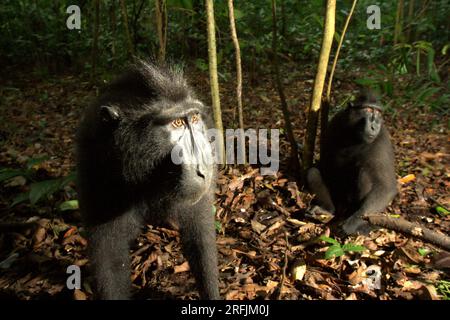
{"type": "Point", "coordinates": [252, 67]}
{"type": "Point", "coordinates": [238, 74]}
{"type": "Point", "coordinates": [313, 112]}
{"type": "Point", "coordinates": [410, 21]}
{"type": "Point", "coordinates": [398, 22]}
{"type": "Point", "coordinates": [161, 27]}
{"type": "Point", "coordinates": [127, 29]}
{"type": "Point", "coordinates": [283, 18]}
{"type": "Point", "coordinates": [279, 86]}
{"type": "Point", "coordinates": [338, 49]}
{"type": "Point", "coordinates": [212, 57]}
{"type": "Point", "coordinates": [326, 106]}
{"type": "Point", "coordinates": [423, 11]}
{"type": "Point", "coordinates": [113, 22]}
{"type": "Point", "coordinates": [95, 40]}
{"type": "Point", "coordinates": [135, 21]}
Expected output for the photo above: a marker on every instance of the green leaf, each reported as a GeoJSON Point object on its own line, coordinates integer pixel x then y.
{"type": "Point", "coordinates": [424, 94]}
{"type": "Point", "coordinates": [201, 65]}
{"type": "Point", "coordinates": [68, 179]}
{"type": "Point", "coordinates": [442, 211]}
{"type": "Point", "coordinates": [430, 59]}
{"type": "Point", "coordinates": [423, 251]}
{"type": "Point", "coordinates": [353, 247]}
{"type": "Point", "coordinates": [445, 49]}
{"type": "Point", "coordinates": [388, 88]}
{"type": "Point", "coordinates": [218, 225]}
{"type": "Point", "coordinates": [238, 14]}
{"type": "Point", "coordinates": [318, 19]}
{"type": "Point", "coordinates": [20, 198]}
{"type": "Point", "coordinates": [365, 81]}
{"type": "Point", "coordinates": [443, 288]}
{"type": "Point", "coordinates": [7, 173]}
{"type": "Point", "coordinates": [329, 240]}
{"type": "Point", "coordinates": [184, 4]}
{"type": "Point", "coordinates": [69, 205]}
{"type": "Point", "coordinates": [43, 189]}
{"type": "Point", "coordinates": [334, 251]}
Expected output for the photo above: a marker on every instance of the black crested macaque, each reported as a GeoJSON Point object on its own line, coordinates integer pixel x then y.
{"type": "Point", "coordinates": [144, 157]}
{"type": "Point", "coordinates": [356, 175]}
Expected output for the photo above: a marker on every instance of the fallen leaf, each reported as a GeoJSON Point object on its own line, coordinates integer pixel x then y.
{"type": "Point", "coordinates": [182, 267]}
{"type": "Point", "coordinates": [412, 270]}
{"type": "Point", "coordinates": [257, 226]}
{"type": "Point", "coordinates": [271, 284]}
{"type": "Point", "coordinates": [39, 235]}
{"type": "Point", "coordinates": [298, 272]}
{"type": "Point", "coordinates": [79, 295]}
{"type": "Point", "coordinates": [407, 178]}
{"type": "Point", "coordinates": [70, 232]}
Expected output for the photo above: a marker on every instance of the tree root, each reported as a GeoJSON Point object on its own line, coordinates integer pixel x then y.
{"type": "Point", "coordinates": [410, 228]}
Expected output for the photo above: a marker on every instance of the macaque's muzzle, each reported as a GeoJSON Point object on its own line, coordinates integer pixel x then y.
{"type": "Point", "coordinates": [193, 152]}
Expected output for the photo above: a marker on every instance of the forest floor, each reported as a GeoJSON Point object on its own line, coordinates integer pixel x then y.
{"type": "Point", "coordinates": [268, 247]}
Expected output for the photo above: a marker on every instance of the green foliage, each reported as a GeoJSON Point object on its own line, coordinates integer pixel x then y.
{"type": "Point", "coordinates": [38, 190]}
{"type": "Point", "coordinates": [379, 80]}
{"type": "Point", "coordinates": [337, 250]}
{"type": "Point", "coordinates": [409, 56]}
{"type": "Point", "coordinates": [202, 65]}
{"type": "Point", "coordinates": [428, 94]}
{"type": "Point", "coordinates": [218, 226]}
{"type": "Point", "coordinates": [414, 64]}
{"type": "Point", "coordinates": [442, 211]}
{"type": "Point", "coordinates": [69, 205]}
{"type": "Point", "coordinates": [7, 173]}
{"type": "Point", "coordinates": [35, 31]}
{"type": "Point", "coordinates": [423, 251]}
{"type": "Point", "coordinates": [443, 287]}
{"type": "Point", "coordinates": [180, 4]}
{"type": "Point", "coordinates": [20, 198]}
{"type": "Point", "coordinates": [44, 189]}
{"type": "Point", "coordinates": [329, 240]}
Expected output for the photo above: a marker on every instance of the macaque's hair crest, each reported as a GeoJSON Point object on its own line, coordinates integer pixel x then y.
{"type": "Point", "coordinates": [167, 82]}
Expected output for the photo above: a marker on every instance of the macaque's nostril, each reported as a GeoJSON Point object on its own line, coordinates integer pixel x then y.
{"type": "Point", "coordinates": [200, 174]}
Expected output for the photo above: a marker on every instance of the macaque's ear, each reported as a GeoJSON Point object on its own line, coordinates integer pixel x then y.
{"type": "Point", "coordinates": [110, 113]}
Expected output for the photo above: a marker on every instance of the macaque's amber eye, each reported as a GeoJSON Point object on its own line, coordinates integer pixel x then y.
{"type": "Point", "coordinates": [178, 123]}
{"type": "Point", "coordinates": [195, 118]}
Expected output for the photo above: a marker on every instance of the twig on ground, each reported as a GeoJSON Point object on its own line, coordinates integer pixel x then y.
{"type": "Point", "coordinates": [410, 228]}
{"type": "Point", "coordinates": [283, 275]}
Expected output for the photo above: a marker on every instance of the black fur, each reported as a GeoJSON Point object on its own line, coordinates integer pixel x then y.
{"type": "Point", "coordinates": [356, 175]}
{"type": "Point", "coordinates": [126, 178]}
